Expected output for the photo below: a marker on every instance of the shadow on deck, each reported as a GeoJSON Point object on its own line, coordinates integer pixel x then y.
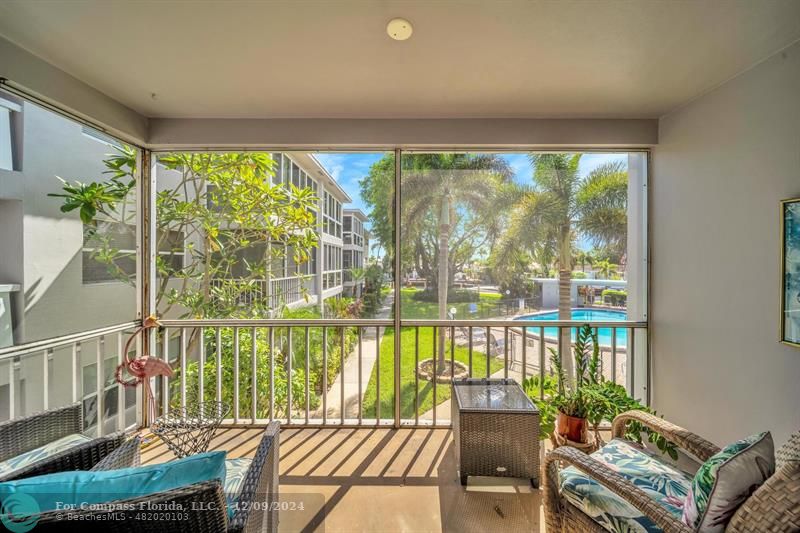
{"type": "Point", "coordinates": [351, 480]}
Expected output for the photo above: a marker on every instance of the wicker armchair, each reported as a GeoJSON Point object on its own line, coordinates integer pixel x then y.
{"type": "Point", "coordinates": [197, 508]}
{"type": "Point", "coordinates": [774, 507]}
{"type": "Point", "coordinates": [20, 435]}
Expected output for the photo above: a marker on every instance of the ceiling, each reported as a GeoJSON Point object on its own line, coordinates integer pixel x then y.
{"type": "Point", "coordinates": [330, 59]}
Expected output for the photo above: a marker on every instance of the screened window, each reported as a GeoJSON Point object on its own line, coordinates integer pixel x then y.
{"type": "Point", "coordinates": [10, 115]}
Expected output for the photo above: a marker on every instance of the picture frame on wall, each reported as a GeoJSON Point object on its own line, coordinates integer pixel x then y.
{"type": "Point", "coordinates": [790, 272]}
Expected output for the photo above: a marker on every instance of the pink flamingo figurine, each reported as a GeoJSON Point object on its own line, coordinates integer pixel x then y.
{"type": "Point", "coordinates": [143, 368]}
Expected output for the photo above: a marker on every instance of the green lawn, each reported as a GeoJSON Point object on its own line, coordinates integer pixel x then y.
{"type": "Point", "coordinates": [407, 373]}
{"type": "Point", "coordinates": [413, 309]}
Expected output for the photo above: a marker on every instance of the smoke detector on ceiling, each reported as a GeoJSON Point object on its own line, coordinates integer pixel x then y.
{"type": "Point", "coordinates": [399, 29]}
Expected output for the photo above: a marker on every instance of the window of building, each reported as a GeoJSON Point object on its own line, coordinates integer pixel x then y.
{"type": "Point", "coordinates": [278, 168]}
{"type": "Point", "coordinates": [99, 136]}
{"type": "Point", "coordinates": [295, 175]}
{"type": "Point", "coordinates": [10, 116]}
{"type": "Point", "coordinates": [109, 252]}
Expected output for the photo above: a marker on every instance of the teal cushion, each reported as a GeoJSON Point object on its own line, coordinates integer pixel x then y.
{"type": "Point", "coordinates": [42, 452]}
{"type": "Point", "coordinates": [665, 484]}
{"type": "Point", "coordinates": [78, 487]}
{"type": "Point", "coordinates": [235, 472]}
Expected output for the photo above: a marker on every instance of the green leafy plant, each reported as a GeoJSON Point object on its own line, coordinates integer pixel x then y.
{"type": "Point", "coordinates": [223, 228]}
{"type": "Point", "coordinates": [591, 396]}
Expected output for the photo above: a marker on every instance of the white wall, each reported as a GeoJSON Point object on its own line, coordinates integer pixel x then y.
{"type": "Point", "coordinates": [25, 70]}
{"type": "Point", "coordinates": [722, 164]}
{"type": "Point", "coordinates": [41, 247]}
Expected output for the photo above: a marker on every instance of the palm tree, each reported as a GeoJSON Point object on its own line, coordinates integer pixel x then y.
{"type": "Point", "coordinates": [583, 257]}
{"type": "Point", "coordinates": [547, 216]}
{"type": "Point", "coordinates": [606, 269]}
{"type": "Point", "coordinates": [357, 274]}
{"type": "Point", "coordinates": [446, 186]}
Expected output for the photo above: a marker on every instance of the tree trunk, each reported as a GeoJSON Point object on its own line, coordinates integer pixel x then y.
{"type": "Point", "coordinates": [565, 299]}
{"type": "Point", "coordinates": [444, 244]}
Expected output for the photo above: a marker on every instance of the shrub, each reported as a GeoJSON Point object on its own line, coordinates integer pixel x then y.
{"type": "Point", "coordinates": [263, 356]}
{"type": "Point", "coordinates": [615, 297]}
{"type": "Point", "coordinates": [453, 296]}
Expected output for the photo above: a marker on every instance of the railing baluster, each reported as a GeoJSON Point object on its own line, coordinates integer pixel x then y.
{"type": "Point", "coordinates": [289, 375]}
{"type": "Point", "coordinates": [631, 348]}
{"type": "Point", "coordinates": [235, 375]}
{"type": "Point", "coordinates": [488, 352]}
{"type": "Point", "coordinates": [271, 374]}
{"type": "Point", "coordinates": [308, 372]}
{"type": "Point", "coordinates": [614, 355]}
{"type": "Point", "coordinates": [433, 377]}
{"type": "Point", "coordinates": [75, 366]}
{"type": "Point", "coordinates": [506, 342]}
{"type": "Point", "coordinates": [469, 334]}
{"type": "Point", "coordinates": [596, 332]}
{"type": "Point", "coordinates": [99, 383]}
{"type": "Point", "coordinates": [325, 375]}
{"type": "Point", "coordinates": [341, 376]}
{"type": "Point", "coordinates": [183, 367]}
{"type": "Point", "coordinates": [416, 375]}
{"type": "Point", "coordinates": [524, 352]}
{"type": "Point", "coordinates": [218, 334]}
{"type": "Point", "coordinates": [253, 375]}
{"type": "Point", "coordinates": [541, 363]}
{"type": "Point", "coordinates": [12, 387]}
{"type": "Point", "coordinates": [201, 346]}
{"type": "Point", "coordinates": [561, 346]}
{"type": "Point", "coordinates": [165, 379]}
{"type": "Point", "coordinates": [452, 352]}
{"type": "Point", "coordinates": [378, 378]}
{"type": "Point", "coordinates": [46, 380]}
{"type": "Point", "coordinates": [360, 407]}
{"type": "Point", "coordinates": [120, 388]}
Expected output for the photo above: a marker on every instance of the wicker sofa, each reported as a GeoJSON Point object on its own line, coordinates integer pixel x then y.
{"type": "Point", "coordinates": [28, 433]}
{"type": "Point", "coordinates": [202, 506]}
{"type": "Point", "coordinates": [774, 507]}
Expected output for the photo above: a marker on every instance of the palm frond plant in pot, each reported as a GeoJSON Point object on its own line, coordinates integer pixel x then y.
{"type": "Point", "coordinates": [571, 408]}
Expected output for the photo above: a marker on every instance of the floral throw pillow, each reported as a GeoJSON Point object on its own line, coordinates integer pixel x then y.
{"type": "Point", "coordinates": [726, 480]}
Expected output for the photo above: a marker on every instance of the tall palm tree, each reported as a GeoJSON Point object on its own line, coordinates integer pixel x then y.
{"type": "Point", "coordinates": [560, 204]}
{"type": "Point", "coordinates": [447, 187]}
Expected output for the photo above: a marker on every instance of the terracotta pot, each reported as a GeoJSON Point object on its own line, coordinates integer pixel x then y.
{"type": "Point", "coordinates": [571, 427]}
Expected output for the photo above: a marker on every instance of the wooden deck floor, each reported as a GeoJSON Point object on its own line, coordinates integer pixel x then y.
{"type": "Point", "coordinates": [381, 480]}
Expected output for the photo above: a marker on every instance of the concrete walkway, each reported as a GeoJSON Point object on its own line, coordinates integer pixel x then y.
{"type": "Point", "coordinates": [369, 351]}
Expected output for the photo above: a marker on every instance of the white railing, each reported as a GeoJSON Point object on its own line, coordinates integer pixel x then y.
{"type": "Point", "coordinates": [294, 371]}
{"type": "Point", "coordinates": [73, 368]}
{"type": "Point", "coordinates": [273, 293]}
{"type": "Point", "coordinates": [304, 372]}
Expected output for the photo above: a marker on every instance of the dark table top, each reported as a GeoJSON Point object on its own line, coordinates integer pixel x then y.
{"type": "Point", "coordinates": [492, 395]}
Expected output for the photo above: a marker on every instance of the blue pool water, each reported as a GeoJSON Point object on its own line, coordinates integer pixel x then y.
{"type": "Point", "coordinates": [586, 315]}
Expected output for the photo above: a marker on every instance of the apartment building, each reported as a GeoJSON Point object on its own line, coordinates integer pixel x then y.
{"type": "Point", "coordinates": [322, 276]}
{"type": "Point", "coordinates": [356, 250]}
{"type": "Point", "coordinates": [54, 286]}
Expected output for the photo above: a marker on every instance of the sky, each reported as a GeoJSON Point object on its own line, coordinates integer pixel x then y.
{"type": "Point", "coordinates": [348, 168]}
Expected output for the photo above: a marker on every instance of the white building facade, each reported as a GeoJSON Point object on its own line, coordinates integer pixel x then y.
{"type": "Point", "coordinates": [356, 250]}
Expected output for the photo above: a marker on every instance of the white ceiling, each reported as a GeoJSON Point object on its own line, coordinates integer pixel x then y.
{"type": "Point", "coordinates": [325, 59]}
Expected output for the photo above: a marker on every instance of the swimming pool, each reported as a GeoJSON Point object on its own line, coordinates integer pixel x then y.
{"type": "Point", "coordinates": [586, 315]}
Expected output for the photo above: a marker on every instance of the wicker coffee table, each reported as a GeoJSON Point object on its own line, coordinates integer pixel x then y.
{"type": "Point", "coordinates": [496, 430]}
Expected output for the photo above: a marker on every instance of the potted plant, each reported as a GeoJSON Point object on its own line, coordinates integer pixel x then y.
{"type": "Point", "coordinates": [570, 409]}
{"type": "Point", "coordinates": [564, 407]}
